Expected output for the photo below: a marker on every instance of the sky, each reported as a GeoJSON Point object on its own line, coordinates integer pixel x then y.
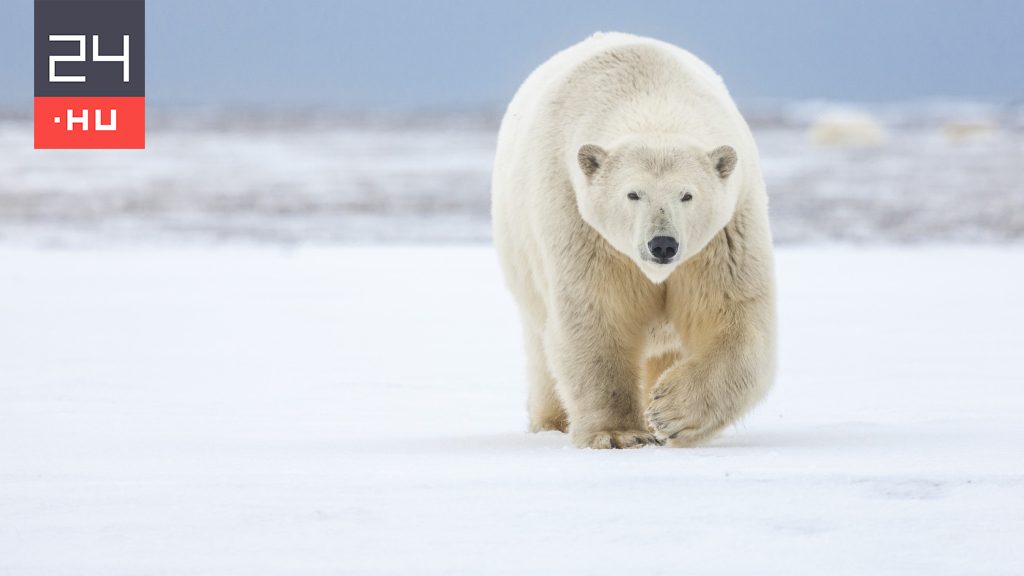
{"type": "Point", "coordinates": [410, 54]}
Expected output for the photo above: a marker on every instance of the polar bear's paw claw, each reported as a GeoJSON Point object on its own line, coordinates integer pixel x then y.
{"type": "Point", "coordinates": [617, 439]}
{"type": "Point", "coordinates": [679, 425]}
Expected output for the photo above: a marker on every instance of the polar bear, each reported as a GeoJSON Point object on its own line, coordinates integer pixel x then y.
{"type": "Point", "coordinates": [630, 219]}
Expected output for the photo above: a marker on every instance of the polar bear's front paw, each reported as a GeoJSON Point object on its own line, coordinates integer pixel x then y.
{"type": "Point", "coordinates": [615, 439]}
{"type": "Point", "coordinates": [682, 421]}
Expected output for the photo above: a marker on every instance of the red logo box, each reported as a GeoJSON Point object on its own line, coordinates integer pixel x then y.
{"type": "Point", "coordinates": [90, 122]}
{"type": "Point", "coordinates": [90, 74]}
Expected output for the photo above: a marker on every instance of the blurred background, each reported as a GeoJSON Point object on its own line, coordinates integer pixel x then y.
{"type": "Point", "coordinates": [375, 121]}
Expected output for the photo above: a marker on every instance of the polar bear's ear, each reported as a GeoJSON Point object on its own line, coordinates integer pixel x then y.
{"type": "Point", "coordinates": [723, 159]}
{"type": "Point", "coordinates": [590, 157]}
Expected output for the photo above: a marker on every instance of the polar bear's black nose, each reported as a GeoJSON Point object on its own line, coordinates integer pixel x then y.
{"type": "Point", "coordinates": [663, 248]}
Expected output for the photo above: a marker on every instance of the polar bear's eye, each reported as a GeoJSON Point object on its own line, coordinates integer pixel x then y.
{"type": "Point", "coordinates": [633, 196]}
{"type": "Point", "coordinates": [687, 197]}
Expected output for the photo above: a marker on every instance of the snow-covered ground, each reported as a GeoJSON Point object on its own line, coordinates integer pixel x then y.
{"type": "Point", "coordinates": [334, 410]}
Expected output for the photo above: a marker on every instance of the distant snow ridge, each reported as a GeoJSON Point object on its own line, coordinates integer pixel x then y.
{"type": "Point", "coordinates": [917, 172]}
{"type": "Point", "coordinates": [847, 128]}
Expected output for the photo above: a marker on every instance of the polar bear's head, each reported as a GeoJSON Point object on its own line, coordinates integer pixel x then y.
{"type": "Point", "coordinates": [657, 204]}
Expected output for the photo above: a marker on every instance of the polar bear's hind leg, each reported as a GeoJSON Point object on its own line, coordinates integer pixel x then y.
{"type": "Point", "coordinates": [543, 405]}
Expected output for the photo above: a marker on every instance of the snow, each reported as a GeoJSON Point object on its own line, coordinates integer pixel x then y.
{"type": "Point", "coordinates": [248, 410]}
{"type": "Point", "coordinates": [297, 177]}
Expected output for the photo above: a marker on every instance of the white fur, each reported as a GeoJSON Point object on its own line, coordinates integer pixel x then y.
{"type": "Point", "coordinates": [622, 350]}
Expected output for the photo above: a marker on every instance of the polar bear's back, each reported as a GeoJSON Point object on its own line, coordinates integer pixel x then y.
{"type": "Point", "coordinates": [580, 88]}
{"type": "Point", "coordinates": [608, 85]}
{"type": "Point", "coordinates": [545, 78]}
